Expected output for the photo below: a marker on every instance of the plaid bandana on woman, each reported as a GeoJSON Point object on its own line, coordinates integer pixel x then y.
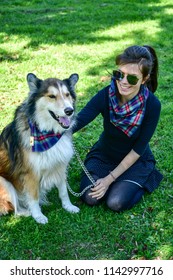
{"type": "Point", "coordinates": [41, 141]}
{"type": "Point", "coordinates": [129, 116]}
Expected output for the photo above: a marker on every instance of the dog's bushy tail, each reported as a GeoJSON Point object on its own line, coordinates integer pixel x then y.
{"type": "Point", "coordinates": [8, 197]}
{"type": "Point", "coordinates": [10, 200]}
{"type": "Point", "coordinates": [5, 207]}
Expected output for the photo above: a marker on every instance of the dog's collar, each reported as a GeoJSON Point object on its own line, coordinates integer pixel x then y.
{"type": "Point", "coordinates": [41, 141]}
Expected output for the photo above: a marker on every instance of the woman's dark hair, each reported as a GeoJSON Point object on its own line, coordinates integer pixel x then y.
{"type": "Point", "coordinates": [145, 56]}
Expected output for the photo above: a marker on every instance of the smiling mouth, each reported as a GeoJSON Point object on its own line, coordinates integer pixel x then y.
{"type": "Point", "coordinates": [124, 88]}
{"type": "Point", "coordinates": [63, 121]}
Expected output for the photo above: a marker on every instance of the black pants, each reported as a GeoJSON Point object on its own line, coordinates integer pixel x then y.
{"type": "Point", "coordinates": [120, 196]}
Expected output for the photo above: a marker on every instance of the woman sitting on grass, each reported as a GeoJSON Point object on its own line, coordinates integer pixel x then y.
{"type": "Point", "coordinates": [121, 161]}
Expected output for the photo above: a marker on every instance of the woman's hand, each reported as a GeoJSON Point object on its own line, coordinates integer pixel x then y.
{"type": "Point", "coordinates": [103, 184]}
{"type": "Point", "coordinates": [101, 187]}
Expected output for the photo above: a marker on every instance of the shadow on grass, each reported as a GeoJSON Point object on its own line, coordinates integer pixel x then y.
{"type": "Point", "coordinates": [76, 22]}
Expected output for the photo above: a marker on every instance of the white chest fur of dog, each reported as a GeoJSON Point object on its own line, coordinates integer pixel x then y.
{"type": "Point", "coordinates": [53, 159]}
{"type": "Point", "coordinates": [51, 167]}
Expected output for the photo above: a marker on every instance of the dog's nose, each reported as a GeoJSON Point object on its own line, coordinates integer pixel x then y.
{"type": "Point", "coordinates": [68, 111]}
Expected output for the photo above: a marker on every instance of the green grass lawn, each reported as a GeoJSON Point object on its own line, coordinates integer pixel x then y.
{"type": "Point", "coordinates": [58, 38]}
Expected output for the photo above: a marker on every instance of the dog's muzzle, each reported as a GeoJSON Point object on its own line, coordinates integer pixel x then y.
{"type": "Point", "coordinates": [64, 121]}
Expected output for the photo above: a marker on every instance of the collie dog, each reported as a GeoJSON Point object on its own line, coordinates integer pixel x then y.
{"type": "Point", "coordinates": [36, 147]}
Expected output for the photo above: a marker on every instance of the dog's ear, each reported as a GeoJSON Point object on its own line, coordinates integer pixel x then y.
{"type": "Point", "coordinates": [73, 79]}
{"type": "Point", "coordinates": [33, 82]}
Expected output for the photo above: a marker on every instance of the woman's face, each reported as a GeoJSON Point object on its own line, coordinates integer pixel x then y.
{"type": "Point", "coordinates": [127, 90]}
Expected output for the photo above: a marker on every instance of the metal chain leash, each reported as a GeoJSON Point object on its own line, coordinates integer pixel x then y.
{"type": "Point", "coordinates": [78, 194]}
{"type": "Point", "coordinates": [86, 172]}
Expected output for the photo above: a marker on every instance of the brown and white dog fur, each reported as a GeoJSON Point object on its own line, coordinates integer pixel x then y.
{"type": "Point", "coordinates": [26, 176]}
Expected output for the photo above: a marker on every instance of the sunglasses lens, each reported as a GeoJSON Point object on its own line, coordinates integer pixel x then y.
{"type": "Point", "coordinates": [118, 75]}
{"type": "Point", "coordinates": [132, 80]}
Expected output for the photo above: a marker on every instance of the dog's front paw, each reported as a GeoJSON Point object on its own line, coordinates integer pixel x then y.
{"type": "Point", "coordinates": [41, 219]}
{"type": "Point", "coordinates": [74, 209]}
{"type": "Point", "coordinates": [71, 208]}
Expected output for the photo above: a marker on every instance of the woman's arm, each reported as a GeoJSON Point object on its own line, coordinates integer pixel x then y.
{"type": "Point", "coordinates": [103, 184]}
{"type": "Point", "coordinates": [91, 110]}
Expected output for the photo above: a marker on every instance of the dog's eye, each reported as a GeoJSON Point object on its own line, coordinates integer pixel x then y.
{"type": "Point", "coordinates": [52, 96]}
{"type": "Point", "coordinates": [67, 94]}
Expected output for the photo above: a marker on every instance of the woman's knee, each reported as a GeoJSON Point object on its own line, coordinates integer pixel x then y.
{"type": "Point", "coordinates": [123, 195]}
{"type": "Point", "coordinates": [88, 199]}
{"type": "Point", "coordinates": [85, 182]}
{"type": "Point", "coordinates": [115, 204]}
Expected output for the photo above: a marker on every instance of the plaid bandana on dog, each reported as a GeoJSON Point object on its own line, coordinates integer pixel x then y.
{"type": "Point", "coordinates": [41, 141]}
{"type": "Point", "coordinates": [129, 116]}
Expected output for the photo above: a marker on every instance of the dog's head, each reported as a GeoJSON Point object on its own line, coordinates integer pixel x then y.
{"type": "Point", "coordinates": [51, 102]}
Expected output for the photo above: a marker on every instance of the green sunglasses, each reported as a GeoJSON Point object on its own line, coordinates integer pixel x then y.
{"type": "Point", "coordinates": [119, 75]}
